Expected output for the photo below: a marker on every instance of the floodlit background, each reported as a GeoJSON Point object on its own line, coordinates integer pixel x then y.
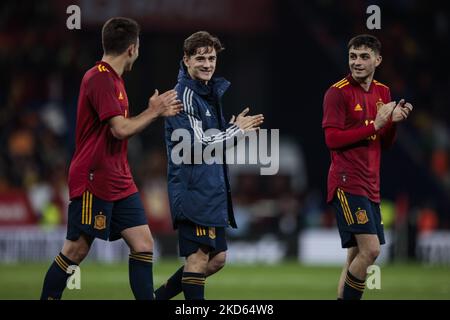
{"type": "Point", "coordinates": [281, 56]}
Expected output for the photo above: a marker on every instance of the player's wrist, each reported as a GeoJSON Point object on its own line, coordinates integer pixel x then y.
{"type": "Point", "coordinates": [377, 126]}
{"type": "Point", "coordinates": [152, 112]}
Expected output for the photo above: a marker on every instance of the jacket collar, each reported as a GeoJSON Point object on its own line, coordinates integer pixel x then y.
{"type": "Point", "coordinates": [215, 87]}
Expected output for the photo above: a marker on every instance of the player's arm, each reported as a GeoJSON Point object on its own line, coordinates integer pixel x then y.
{"type": "Point", "coordinates": [336, 135]}
{"type": "Point", "coordinates": [164, 105]}
{"type": "Point", "coordinates": [336, 138]}
{"type": "Point", "coordinates": [333, 122]}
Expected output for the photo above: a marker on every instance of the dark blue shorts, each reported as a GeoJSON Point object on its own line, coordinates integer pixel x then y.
{"type": "Point", "coordinates": [192, 237]}
{"type": "Point", "coordinates": [356, 215]}
{"type": "Point", "coordinates": [104, 219]}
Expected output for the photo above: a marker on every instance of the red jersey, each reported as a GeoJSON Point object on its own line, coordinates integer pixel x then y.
{"type": "Point", "coordinates": [100, 162]}
{"type": "Point", "coordinates": [355, 168]}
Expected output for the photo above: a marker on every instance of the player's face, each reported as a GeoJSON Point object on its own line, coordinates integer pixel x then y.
{"type": "Point", "coordinates": [362, 62]}
{"type": "Point", "coordinates": [133, 54]}
{"type": "Point", "coordinates": [201, 65]}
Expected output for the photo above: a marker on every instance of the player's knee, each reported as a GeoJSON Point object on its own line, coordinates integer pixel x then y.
{"type": "Point", "coordinates": [218, 262]}
{"type": "Point", "coordinates": [197, 262]}
{"type": "Point", "coordinates": [371, 254]}
{"type": "Point", "coordinates": [76, 251]}
{"type": "Point", "coordinates": [143, 246]}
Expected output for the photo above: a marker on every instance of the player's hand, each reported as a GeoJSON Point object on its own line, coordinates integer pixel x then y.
{"type": "Point", "coordinates": [165, 104]}
{"type": "Point", "coordinates": [248, 123]}
{"type": "Point", "coordinates": [383, 115]}
{"type": "Point", "coordinates": [401, 111]}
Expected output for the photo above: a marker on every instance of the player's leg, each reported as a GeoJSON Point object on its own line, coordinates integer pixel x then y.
{"type": "Point", "coordinates": [140, 262]}
{"type": "Point", "coordinates": [351, 254]}
{"type": "Point", "coordinates": [71, 255]}
{"type": "Point", "coordinates": [193, 279]}
{"type": "Point", "coordinates": [130, 223]}
{"type": "Point", "coordinates": [357, 223]}
{"type": "Point", "coordinates": [216, 262]}
{"type": "Point", "coordinates": [195, 244]}
{"type": "Point", "coordinates": [368, 251]}
{"type": "Point", "coordinates": [172, 287]}
{"type": "Point", "coordinates": [218, 257]}
{"type": "Point", "coordinates": [76, 247]}
{"type": "Point", "coordinates": [194, 236]}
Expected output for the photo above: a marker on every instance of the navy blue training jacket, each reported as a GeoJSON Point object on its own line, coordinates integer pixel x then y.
{"type": "Point", "coordinates": [200, 192]}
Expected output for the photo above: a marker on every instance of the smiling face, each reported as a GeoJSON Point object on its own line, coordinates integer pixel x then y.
{"type": "Point", "coordinates": [202, 64]}
{"type": "Point", "coordinates": [363, 62]}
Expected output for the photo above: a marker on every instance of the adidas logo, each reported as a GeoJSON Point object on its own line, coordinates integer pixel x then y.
{"type": "Point", "coordinates": [208, 114]}
{"type": "Point", "coordinates": [358, 107]}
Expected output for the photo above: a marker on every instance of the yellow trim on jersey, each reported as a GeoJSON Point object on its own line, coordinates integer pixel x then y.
{"type": "Point", "coordinates": [339, 82]}
{"type": "Point", "coordinates": [345, 207]}
{"type": "Point", "coordinates": [102, 68]}
{"type": "Point", "coordinates": [343, 85]}
{"type": "Point", "coordinates": [380, 84]}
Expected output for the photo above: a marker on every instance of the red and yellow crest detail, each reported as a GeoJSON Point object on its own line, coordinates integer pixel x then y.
{"type": "Point", "coordinates": [100, 221]}
{"type": "Point", "coordinates": [361, 217]}
{"type": "Point", "coordinates": [212, 232]}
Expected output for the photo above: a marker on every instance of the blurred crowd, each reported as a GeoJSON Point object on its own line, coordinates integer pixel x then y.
{"type": "Point", "coordinates": [41, 72]}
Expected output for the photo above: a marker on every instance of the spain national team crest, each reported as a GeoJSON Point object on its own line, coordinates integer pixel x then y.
{"type": "Point", "coordinates": [100, 221]}
{"type": "Point", "coordinates": [212, 232]}
{"type": "Point", "coordinates": [379, 104]}
{"type": "Point", "coordinates": [361, 216]}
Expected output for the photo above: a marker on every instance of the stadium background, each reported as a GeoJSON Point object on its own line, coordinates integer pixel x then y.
{"type": "Point", "coordinates": [280, 57]}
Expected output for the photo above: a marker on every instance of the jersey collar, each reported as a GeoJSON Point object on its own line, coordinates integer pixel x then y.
{"type": "Point", "coordinates": [355, 83]}
{"type": "Point", "coordinates": [108, 66]}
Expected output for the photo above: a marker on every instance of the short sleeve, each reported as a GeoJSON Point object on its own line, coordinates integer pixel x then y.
{"type": "Point", "coordinates": [103, 97]}
{"type": "Point", "coordinates": [333, 109]}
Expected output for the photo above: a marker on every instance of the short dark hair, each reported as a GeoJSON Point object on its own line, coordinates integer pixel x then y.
{"type": "Point", "coordinates": [118, 34]}
{"type": "Point", "coordinates": [365, 40]}
{"type": "Point", "coordinates": [201, 39]}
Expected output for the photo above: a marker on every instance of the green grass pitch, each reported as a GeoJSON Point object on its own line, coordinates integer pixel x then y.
{"type": "Point", "coordinates": [288, 280]}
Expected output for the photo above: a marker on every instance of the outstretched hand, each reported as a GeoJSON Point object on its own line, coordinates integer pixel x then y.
{"type": "Point", "coordinates": [247, 123]}
{"type": "Point", "coordinates": [165, 104]}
